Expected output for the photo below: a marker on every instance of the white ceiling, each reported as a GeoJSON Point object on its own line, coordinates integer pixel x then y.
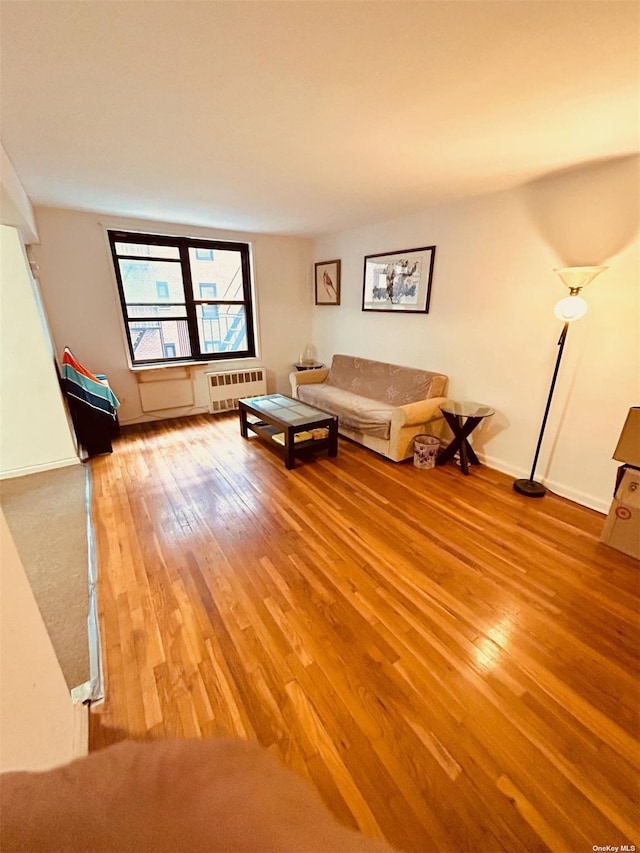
{"type": "Point", "coordinates": [304, 117]}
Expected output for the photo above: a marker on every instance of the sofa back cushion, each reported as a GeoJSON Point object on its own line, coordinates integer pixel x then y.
{"type": "Point", "coordinates": [379, 380]}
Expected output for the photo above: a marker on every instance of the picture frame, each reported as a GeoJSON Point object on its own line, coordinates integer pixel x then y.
{"type": "Point", "coordinates": [327, 283]}
{"type": "Point", "coordinates": [399, 282]}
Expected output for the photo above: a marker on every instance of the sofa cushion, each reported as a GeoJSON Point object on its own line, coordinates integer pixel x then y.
{"type": "Point", "coordinates": [354, 411]}
{"type": "Point", "coordinates": [391, 384]}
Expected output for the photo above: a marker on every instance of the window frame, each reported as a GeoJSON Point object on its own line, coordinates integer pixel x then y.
{"type": "Point", "coordinates": [184, 244]}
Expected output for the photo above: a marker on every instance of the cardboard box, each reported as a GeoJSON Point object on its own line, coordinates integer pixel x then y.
{"type": "Point", "coordinates": [628, 447]}
{"type": "Point", "coordinates": [622, 527]}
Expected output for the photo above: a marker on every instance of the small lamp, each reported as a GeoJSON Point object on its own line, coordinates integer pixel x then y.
{"type": "Point", "coordinates": [309, 355]}
{"type": "Point", "coordinates": [571, 308]}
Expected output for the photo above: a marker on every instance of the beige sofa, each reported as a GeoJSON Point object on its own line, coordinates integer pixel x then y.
{"type": "Point", "coordinates": [380, 405]}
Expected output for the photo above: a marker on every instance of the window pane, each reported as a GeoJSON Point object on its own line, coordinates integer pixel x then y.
{"type": "Point", "coordinates": [139, 280]}
{"type": "Point", "coordinates": [225, 269]}
{"type": "Point", "coordinates": [146, 250]}
{"type": "Point", "coordinates": [226, 332]}
{"type": "Point", "coordinates": [151, 339]}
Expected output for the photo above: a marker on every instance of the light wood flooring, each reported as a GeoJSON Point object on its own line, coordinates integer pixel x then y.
{"type": "Point", "coordinates": [452, 666]}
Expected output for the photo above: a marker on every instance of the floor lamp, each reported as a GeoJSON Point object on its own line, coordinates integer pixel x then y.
{"type": "Point", "coordinates": [571, 308]}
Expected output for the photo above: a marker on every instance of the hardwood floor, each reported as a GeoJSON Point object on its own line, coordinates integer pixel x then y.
{"type": "Point", "coordinates": [452, 666]}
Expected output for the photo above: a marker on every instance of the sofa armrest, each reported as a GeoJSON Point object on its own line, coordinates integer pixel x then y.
{"type": "Point", "coordinates": [421, 412]}
{"type": "Point", "coordinates": [307, 377]}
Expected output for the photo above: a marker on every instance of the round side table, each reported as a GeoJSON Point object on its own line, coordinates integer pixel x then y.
{"type": "Point", "coordinates": [306, 366]}
{"type": "Point", "coordinates": [463, 418]}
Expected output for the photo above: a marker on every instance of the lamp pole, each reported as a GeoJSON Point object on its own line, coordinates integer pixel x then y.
{"type": "Point", "coordinates": [531, 488]}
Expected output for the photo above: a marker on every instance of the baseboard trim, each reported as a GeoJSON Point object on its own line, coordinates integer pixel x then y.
{"type": "Point", "coordinates": [96, 683]}
{"type": "Point", "coordinates": [80, 735]}
{"type": "Point", "coordinates": [553, 485]}
{"type": "Point", "coordinates": [37, 469]}
{"type": "Point", "coordinates": [165, 414]}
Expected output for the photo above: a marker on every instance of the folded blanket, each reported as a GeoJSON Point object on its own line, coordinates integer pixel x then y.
{"type": "Point", "coordinates": [82, 385]}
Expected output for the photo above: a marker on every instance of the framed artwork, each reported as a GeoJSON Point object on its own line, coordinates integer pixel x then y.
{"type": "Point", "coordinates": [328, 283]}
{"type": "Point", "coordinates": [399, 281]}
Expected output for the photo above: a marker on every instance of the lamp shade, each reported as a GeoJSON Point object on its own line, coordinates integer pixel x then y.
{"type": "Point", "coordinates": [570, 308]}
{"type": "Point", "coordinates": [578, 277]}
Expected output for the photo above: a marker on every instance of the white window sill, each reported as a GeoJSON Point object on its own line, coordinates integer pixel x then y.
{"type": "Point", "coordinates": [163, 365]}
{"type": "Point", "coordinates": [221, 364]}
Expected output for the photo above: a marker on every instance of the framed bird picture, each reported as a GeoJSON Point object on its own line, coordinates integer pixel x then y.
{"type": "Point", "coordinates": [327, 283]}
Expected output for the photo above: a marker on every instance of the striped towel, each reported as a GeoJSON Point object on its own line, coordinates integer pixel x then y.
{"type": "Point", "coordinates": [82, 385]}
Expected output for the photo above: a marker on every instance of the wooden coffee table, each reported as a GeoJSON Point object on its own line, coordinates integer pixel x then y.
{"type": "Point", "coordinates": [276, 415]}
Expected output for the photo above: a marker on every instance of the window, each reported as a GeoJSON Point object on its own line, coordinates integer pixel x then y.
{"type": "Point", "coordinates": [172, 309]}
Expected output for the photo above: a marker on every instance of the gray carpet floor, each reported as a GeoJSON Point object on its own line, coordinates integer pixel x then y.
{"type": "Point", "coordinates": [47, 515]}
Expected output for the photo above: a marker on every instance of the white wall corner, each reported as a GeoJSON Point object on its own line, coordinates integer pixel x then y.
{"type": "Point", "coordinates": [15, 207]}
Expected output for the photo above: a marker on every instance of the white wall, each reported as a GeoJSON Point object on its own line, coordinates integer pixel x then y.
{"type": "Point", "coordinates": [35, 433]}
{"type": "Point", "coordinates": [491, 326]}
{"type": "Point", "coordinates": [79, 291]}
{"type": "Point", "coordinates": [40, 727]}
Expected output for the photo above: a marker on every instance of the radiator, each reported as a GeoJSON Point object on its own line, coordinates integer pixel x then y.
{"type": "Point", "coordinates": [225, 389]}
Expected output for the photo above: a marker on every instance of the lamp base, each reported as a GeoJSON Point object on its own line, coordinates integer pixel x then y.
{"type": "Point", "coordinates": [529, 488]}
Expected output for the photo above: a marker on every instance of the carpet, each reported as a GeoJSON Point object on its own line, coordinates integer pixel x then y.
{"type": "Point", "coordinates": [47, 515]}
